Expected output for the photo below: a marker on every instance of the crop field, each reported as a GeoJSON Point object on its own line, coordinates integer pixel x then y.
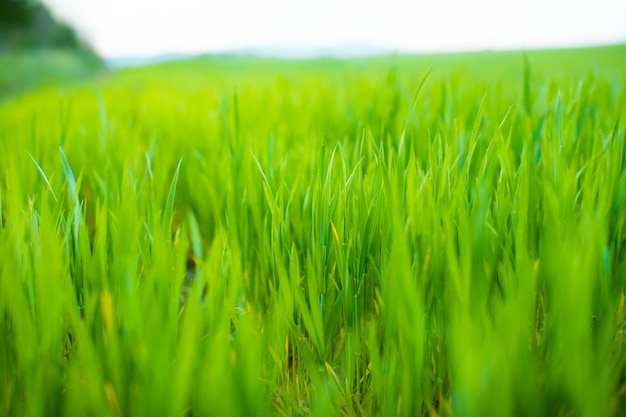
{"type": "Point", "coordinates": [436, 235]}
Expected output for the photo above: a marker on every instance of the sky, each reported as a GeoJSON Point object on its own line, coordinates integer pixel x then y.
{"type": "Point", "coordinates": [143, 28]}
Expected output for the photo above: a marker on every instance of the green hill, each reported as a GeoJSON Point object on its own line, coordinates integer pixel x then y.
{"type": "Point", "coordinates": [36, 49]}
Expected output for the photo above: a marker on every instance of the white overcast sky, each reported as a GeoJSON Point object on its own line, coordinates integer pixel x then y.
{"type": "Point", "coordinates": [150, 27]}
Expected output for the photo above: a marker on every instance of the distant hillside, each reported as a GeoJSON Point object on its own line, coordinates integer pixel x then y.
{"type": "Point", "coordinates": [37, 50]}
{"type": "Point", "coordinates": [28, 24]}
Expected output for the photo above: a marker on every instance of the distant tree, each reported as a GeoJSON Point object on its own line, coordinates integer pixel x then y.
{"type": "Point", "coordinates": [15, 14]}
{"type": "Point", "coordinates": [29, 24]}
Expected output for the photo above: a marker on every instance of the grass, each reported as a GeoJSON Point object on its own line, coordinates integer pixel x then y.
{"type": "Point", "coordinates": [437, 235]}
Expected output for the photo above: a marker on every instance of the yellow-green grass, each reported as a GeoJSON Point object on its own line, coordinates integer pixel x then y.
{"type": "Point", "coordinates": [436, 235]}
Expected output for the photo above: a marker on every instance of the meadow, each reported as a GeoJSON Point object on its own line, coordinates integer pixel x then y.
{"type": "Point", "coordinates": [438, 235]}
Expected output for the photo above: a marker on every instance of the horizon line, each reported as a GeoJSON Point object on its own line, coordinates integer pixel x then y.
{"type": "Point", "coordinates": [338, 51]}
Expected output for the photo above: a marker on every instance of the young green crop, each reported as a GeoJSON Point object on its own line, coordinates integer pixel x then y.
{"type": "Point", "coordinates": [437, 235]}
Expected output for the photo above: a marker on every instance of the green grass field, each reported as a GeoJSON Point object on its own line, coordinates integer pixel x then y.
{"type": "Point", "coordinates": [439, 235]}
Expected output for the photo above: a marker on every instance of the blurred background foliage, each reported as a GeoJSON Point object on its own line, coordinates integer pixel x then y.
{"type": "Point", "coordinates": [36, 49]}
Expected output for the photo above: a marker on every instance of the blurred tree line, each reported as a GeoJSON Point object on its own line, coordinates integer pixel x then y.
{"type": "Point", "coordinates": [28, 24]}
{"type": "Point", "coordinates": [37, 50]}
